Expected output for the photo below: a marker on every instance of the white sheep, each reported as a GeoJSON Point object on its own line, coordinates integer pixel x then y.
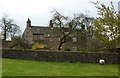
{"type": "Point", "coordinates": [102, 61]}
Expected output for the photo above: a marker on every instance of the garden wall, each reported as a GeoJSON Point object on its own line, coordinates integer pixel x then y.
{"type": "Point", "coordinates": [56, 56]}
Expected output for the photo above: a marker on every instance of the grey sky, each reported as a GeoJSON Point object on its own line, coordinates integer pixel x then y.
{"type": "Point", "coordinates": [39, 10]}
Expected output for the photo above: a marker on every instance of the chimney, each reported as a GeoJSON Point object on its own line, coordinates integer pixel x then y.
{"type": "Point", "coordinates": [28, 23]}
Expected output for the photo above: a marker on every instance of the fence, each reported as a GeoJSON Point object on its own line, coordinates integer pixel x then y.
{"type": "Point", "coordinates": [111, 58]}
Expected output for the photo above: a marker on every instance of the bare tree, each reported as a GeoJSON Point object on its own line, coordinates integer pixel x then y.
{"type": "Point", "coordinates": [8, 26]}
{"type": "Point", "coordinates": [66, 25]}
{"type": "Point", "coordinates": [14, 31]}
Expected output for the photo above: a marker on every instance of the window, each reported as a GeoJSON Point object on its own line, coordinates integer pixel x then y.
{"type": "Point", "coordinates": [58, 39]}
{"type": "Point", "coordinates": [50, 39]}
{"type": "Point", "coordinates": [74, 39]}
{"type": "Point", "coordinates": [74, 47]}
{"type": "Point", "coordinates": [52, 28]}
{"type": "Point", "coordinates": [42, 38]}
{"type": "Point", "coordinates": [37, 29]}
{"type": "Point", "coordinates": [66, 33]}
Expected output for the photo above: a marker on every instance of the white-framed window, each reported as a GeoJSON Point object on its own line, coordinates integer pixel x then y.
{"type": "Point", "coordinates": [42, 38]}
{"type": "Point", "coordinates": [52, 28]}
{"type": "Point", "coordinates": [58, 39]}
{"type": "Point", "coordinates": [74, 47]}
{"type": "Point", "coordinates": [66, 33]}
{"type": "Point", "coordinates": [74, 39]}
{"type": "Point", "coordinates": [37, 29]}
{"type": "Point", "coordinates": [50, 39]}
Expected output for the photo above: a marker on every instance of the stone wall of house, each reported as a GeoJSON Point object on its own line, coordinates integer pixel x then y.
{"type": "Point", "coordinates": [56, 56]}
{"type": "Point", "coordinates": [27, 36]}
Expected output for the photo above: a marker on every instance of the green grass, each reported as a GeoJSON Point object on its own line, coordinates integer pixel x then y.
{"type": "Point", "coordinates": [14, 67]}
{"type": "Point", "coordinates": [0, 67]}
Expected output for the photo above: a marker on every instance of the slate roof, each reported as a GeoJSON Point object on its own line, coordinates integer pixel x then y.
{"type": "Point", "coordinates": [45, 30]}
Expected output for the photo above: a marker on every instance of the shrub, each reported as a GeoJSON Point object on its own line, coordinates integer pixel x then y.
{"type": "Point", "coordinates": [18, 47]}
{"type": "Point", "coordinates": [67, 49]}
{"type": "Point", "coordinates": [17, 43]}
{"type": "Point", "coordinates": [37, 46]}
{"type": "Point", "coordinates": [82, 49]}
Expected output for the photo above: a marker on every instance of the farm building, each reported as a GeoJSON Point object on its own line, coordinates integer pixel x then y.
{"type": "Point", "coordinates": [50, 37]}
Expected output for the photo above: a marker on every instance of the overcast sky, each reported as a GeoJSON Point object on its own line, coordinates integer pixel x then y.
{"type": "Point", "coordinates": [39, 10]}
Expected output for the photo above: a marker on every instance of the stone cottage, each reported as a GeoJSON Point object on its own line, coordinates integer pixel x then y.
{"type": "Point", "coordinates": [50, 37]}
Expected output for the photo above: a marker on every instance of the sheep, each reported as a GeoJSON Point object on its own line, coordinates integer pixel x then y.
{"type": "Point", "coordinates": [102, 61]}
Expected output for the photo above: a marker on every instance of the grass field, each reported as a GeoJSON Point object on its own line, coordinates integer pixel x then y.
{"type": "Point", "coordinates": [0, 67]}
{"type": "Point", "coordinates": [14, 67]}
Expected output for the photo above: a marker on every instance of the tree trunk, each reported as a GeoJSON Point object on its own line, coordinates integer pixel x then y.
{"type": "Point", "coordinates": [114, 46]}
{"type": "Point", "coordinates": [5, 33]}
{"type": "Point", "coordinates": [63, 40]}
{"type": "Point", "coordinates": [59, 48]}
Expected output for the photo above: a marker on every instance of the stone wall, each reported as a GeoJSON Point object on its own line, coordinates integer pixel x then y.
{"type": "Point", "coordinates": [56, 56]}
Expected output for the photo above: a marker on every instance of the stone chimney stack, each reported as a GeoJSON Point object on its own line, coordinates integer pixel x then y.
{"type": "Point", "coordinates": [28, 23]}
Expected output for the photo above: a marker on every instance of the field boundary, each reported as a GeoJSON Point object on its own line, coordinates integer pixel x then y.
{"type": "Point", "coordinates": [56, 56]}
